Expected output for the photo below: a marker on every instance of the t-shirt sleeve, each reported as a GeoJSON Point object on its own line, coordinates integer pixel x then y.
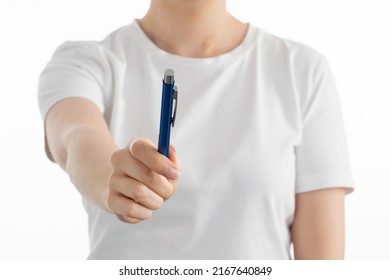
{"type": "Point", "coordinates": [322, 159]}
{"type": "Point", "coordinates": [77, 69]}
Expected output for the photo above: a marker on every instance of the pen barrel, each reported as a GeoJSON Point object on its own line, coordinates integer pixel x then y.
{"type": "Point", "coordinates": [166, 116]}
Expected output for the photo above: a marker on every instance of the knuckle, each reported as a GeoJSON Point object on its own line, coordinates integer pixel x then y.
{"type": "Point", "coordinates": [160, 164]}
{"type": "Point", "coordinates": [158, 204]}
{"type": "Point", "coordinates": [131, 210]}
{"type": "Point", "coordinates": [133, 213]}
{"type": "Point", "coordinates": [137, 146]}
{"type": "Point", "coordinates": [156, 182]}
{"type": "Point", "coordinates": [166, 191]}
{"type": "Point", "coordinates": [140, 193]}
{"type": "Point", "coordinates": [116, 158]}
{"type": "Point", "coordinates": [147, 177]}
{"type": "Point", "coordinates": [128, 220]}
{"type": "Point", "coordinates": [132, 220]}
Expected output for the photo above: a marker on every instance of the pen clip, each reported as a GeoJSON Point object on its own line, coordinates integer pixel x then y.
{"type": "Point", "coordinates": [175, 96]}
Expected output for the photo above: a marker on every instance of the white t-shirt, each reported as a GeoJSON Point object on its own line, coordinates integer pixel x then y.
{"type": "Point", "coordinates": [254, 127]}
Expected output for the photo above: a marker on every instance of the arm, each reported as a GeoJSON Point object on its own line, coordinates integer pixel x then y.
{"type": "Point", "coordinates": [129, 182]}
{"type": "Point", "coordinates": [79, 141]}
{"type": "Point", "coordinates": [318, 227]}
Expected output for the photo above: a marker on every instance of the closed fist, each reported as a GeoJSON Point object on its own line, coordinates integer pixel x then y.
{"type": "Point", "coordinates": [141, 180]}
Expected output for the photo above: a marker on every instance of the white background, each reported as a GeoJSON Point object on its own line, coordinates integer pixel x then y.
{"type": "Point", "coordinates": [41, 215]}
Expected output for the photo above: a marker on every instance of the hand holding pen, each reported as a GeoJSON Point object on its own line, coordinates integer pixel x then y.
{"type": "Point", "coordinates": [143, 177]}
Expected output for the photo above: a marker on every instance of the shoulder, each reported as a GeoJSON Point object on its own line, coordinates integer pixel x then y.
{"type": "Point", "coordinates": [292, 53]}
{"type": "Point", "coordinates": [111, 47]}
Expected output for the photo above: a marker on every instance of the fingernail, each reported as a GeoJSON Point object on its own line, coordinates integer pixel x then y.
{"type": "Point", "coordinates": [172, 173]}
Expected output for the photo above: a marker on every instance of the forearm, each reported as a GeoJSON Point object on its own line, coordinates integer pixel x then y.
{"type": "Point", "coordinates": [79, 140]}
{"type": "Point", "coordinates": [318, 228]}
{"type": "Point", "coordinates": [87, 163]}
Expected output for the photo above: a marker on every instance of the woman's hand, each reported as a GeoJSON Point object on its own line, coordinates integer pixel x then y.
{"type": "Point", "coordinates": [141, 180]}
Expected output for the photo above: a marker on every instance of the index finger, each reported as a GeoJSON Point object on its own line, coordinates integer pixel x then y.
{"type": "Point", "coordinates": [145, 151]}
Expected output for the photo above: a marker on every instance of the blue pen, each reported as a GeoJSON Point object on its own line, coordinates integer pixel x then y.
{"type": "Point", "coordinates": [169, 96]}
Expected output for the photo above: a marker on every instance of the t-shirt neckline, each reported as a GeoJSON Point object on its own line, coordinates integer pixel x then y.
{"type": "Point", "coordinates": [238, 51]}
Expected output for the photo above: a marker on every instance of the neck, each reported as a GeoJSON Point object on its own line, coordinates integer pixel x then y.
{"type": "Point", "coordinates": [193, 28]}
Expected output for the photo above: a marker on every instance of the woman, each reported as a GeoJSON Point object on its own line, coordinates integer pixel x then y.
{"type": "Point", "coordinates": [263, 160]}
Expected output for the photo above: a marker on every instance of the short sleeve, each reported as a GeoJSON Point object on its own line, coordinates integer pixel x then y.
{"type": "Point", "coordinates": [77, 69]}
{"type": "Point", "coordinates": [322, 159]}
